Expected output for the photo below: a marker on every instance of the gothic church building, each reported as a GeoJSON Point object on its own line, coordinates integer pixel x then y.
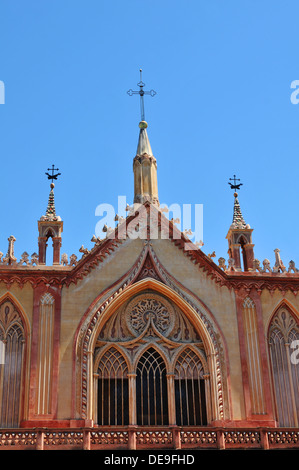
{"type": "Point", "coordinates": [143, 342]}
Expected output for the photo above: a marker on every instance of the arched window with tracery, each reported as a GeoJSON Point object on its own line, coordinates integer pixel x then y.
{"type": "Point", "coordinates": [11, 372]}
{"type": "Point", "coordinates": [284, 329]}
{"type": "Point", "coordinates": [113, 394]}
{"type": "Point", "coordinates": [190, 393]}
{"type": "Point", "coordinates": [151, 389]}
{"type": "Point", "coordinates": [139, 379]}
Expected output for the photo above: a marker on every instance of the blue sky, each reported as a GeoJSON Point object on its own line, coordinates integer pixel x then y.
{"type": "Point", "coordinates": [222, 71]}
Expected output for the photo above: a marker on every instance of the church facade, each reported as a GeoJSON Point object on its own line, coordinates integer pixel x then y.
{"type": "Point", "coordinates": [146, 341]}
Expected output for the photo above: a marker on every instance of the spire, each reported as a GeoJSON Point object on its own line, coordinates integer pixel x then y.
{"type": "Point", "coordinates": [240, 246]}
{"type": "Point", "coordinates": [238, 220]}
{"type": "Point", "coordinates": [51, 212]}
{"type": "Point", "coordinates": [50, 225]}
{"type": "Point", "coordinates": [145, 170]}
{"type": "Point", "coordinates": [143, 142]}
{"type": "Point", "coordinates": [144, 164]}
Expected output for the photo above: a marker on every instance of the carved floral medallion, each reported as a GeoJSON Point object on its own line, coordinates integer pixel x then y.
{"type": "Point", "coordinates": [148, 307]}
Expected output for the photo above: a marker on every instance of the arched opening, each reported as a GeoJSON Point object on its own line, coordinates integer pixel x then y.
{"type": "Point", "coordinates": [190, 390]}
{"type": "Point", "coordinates": [283, 330]}
{"type": "Point", "coordinates": [49, 229]}
{"type": "Point", "coordinates": [151, 389]}
{"type": "Point", "coordinates": [169, 324]}
{"type": "Point", "coordinates": [11, 371]}
{"type": "Point", "coordinates": [49, 252]}
{"type": "Point", "coordinates": [113, 392]}
{"type": "Point", "coordinates": [243, 258]}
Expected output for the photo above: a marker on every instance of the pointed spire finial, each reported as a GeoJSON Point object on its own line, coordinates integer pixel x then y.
{"type": "Point", "coordinates": [238, 219]}
{"type": "Point", "coordinates": [144, 145]}
{"type": "Point", "coordinates": [51, 211]}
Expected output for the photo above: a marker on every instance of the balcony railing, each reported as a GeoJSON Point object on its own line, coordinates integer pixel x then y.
{"type": "Point", "coordinates": [131, 438]}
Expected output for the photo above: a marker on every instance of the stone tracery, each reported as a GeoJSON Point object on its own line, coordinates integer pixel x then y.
{"type": "Point", "coordinates": [148, 309]}
{"type": "Point", "coordinates": [149, 321]}
{"type": "Point", "coordinates": [12, 335]}
{"type": "Point", "coordinates": [115, 328]}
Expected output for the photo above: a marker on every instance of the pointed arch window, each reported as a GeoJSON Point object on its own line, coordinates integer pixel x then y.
{"type": "Point", "coordinates": [11, 372]}
{"type": "Point", "coordinates": [113, 393]}
{"type": "Point", "coordinates": [151, 389]}
{"type": "Point", "coordinates": [150, 368]}
{"type": "Point", "coordinates": [283, 330]}
{"type": "Point", "coordinates": [190, 390]}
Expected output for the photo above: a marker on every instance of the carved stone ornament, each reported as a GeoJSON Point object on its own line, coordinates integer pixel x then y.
{"type": "Point", "coordinates": [147, 307]}
{"type": "Point", "coordinates": [284, 322]}
{"type": "Point", "coordinates": [148, 317]}
{"type": "Point", "coordinates": [8, 316]}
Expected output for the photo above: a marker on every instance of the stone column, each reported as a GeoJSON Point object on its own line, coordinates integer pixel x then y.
{"type": "Point", "coordinates": [56, 249]}
{"type": "Point", "coordinates": [235, 254]}
{"type": "Point", "coordinates": [171, 399]}
{"type": "Point", "coordinates": [249, 255]}
{"type": "Point", "coordinates": [42, 246]}
{"type": "Point", "coordinates": [132, 399]}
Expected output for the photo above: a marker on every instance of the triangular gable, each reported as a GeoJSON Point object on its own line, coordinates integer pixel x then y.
{"type": "Point", "coordinates": [146, 223]}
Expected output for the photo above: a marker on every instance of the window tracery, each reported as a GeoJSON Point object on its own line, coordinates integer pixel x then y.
{"type": "Point", "coordinates": [112, 374]}
{"type": "Point", "coordinates": [152, 368]}
{"type": "Point", "coordinates": [190, 393]}
{"type": "Point", "coordinates": [151, 389]}
{"type": "Point", "coordinates": [283, 330]}
{"type": "Point", "coordinates": [12, 335]}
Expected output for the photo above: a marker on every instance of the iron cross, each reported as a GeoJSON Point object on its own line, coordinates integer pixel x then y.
{"type": "Point", "coordinates": [235, 185]}
{"type": "Point", "coordinates": [53, 176]}
{"type": "Point", "coordinates": [141, 93]}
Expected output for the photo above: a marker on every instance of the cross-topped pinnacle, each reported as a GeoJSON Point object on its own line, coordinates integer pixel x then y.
{"type": "Point", "coordinates": [235, 185]}
{"type": "Point", "coordinates": [51, 212]}
{"type": "Point", "coordinates": [53, 176]}
{"type": "Point", "coordinates": [141, 93]}
{"type": "Point", "coordinates": [238, 220]}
